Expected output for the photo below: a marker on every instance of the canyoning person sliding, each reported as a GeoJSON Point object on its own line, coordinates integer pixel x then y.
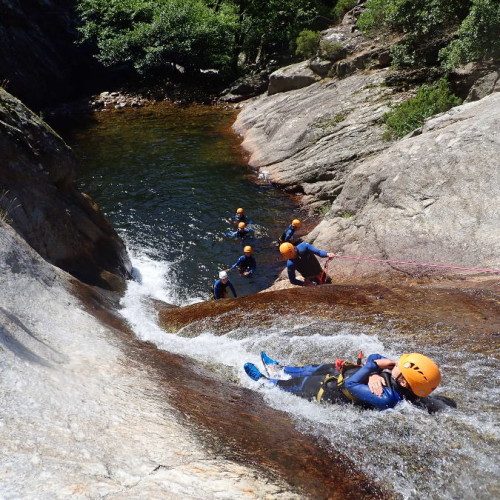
{"type": "Point", "coordinates": [220, 286]}
{"type": "Point", "coordinates": [380, 383]}
{"type": "Point", "coordinates": [302, 258]}
{"type": "Point", "coordinates": [243, 232]}
{"type": "Point", "coordinates": [246, 263]}
{"type": "Point", "coordinates": [240, 216]}
{"type": "Point", "coordinates": [287, 236]}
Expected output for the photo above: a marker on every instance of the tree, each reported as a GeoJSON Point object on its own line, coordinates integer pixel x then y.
{"type": "Point", "coordinates": [478, 37]}
{"type": "Point", "coordinates": [152, 35]}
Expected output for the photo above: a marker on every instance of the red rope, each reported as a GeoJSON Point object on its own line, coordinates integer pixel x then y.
{"type": "Point", "coordinates": [418, 264]}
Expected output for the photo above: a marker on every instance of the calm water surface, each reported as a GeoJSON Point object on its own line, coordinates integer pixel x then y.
{"type": "Point", "coordinates": [168, 177]}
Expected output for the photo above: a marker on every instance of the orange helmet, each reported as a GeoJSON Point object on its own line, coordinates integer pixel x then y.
{"type": "Point", "coordinates": [247, 249]}
{"type": "Point", "coordinates": [242, 225]}
{"type": "Point", "coordinates": [288, 250]}
{"type": "Point", "coordinates": [296, 223]}
{"type": "Point", "coordinates": [239, 211]}
{"type": "Point", "coordinates": [421, 373]}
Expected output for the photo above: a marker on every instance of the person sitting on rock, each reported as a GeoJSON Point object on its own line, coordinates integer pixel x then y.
{"type": "Point", "coordinates": [246, 263]}
{"type": "Point", "coordinates": [287, 235]}
{"type": "Point", "coordinates": [221, 285]}
{"type": "Point", "coordinates": [243, 232]}
{"type": "Point", "coordinates": [379, 384]}
{"type": "Point", "coordinates": [302, 258]}
{"type": "Point", "coordinates": [240, 216]}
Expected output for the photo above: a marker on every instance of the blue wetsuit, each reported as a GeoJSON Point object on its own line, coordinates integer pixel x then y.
{"type": "Point", "coordinates": [220, 289]}
{"type": "Point", "coordinates": [241, 218]}
{"type": "Point", "coordinates": [306, 381]}
{"type": "Point", "coordinates": [287, 236]}
{"type": "Point", "coordinates": [240, 233]}
{"type": "Point", "coordinates": [305, 263]}
{"type": "Point", "coordinates": [245, 263]}
{"type": "Point", "coordinates": [357, 385]}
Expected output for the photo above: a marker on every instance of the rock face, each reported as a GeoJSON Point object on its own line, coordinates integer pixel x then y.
{"type": "Point", "coordinates": [291, 77]}
{"type": "Point", "coordinates": [39, 60]}
{"type": "Point", "coordinates": [310, 139]}
{"type": "Point", "coordinates": [432, 197]}
{"type": "Point", "coordinates": [38, 197]}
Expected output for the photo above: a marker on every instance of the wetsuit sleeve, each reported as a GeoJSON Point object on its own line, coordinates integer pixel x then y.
{"type": "Point", "coordinates": [232, 288]}
{"type": "Point", "coordinates": [216, 290]}
{"type": "Point", "coordinates": [315, 251]}
{"type": "Point", "coordinates": [238, 262]}
{"type": "Point", "coordinates": [288, 235]}
{"type": "Point", "coordinates": [290, 267]}
{"type": "Point", "coordinates": [232, 234]}
{"type": "Point", "coordinates": [357, 386]}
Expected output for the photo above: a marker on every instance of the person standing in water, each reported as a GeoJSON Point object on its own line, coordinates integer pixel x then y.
{"type": "Point", "coordinates": [221, 285]}
{"type": "Point", "coordinates": [246, 263]}
{"type": "Point", "coordinates": [241, 233]}
{"type": "Point", "coordinates": [240, 216]}
{"type": "Point", "coordinates": [302, 259]}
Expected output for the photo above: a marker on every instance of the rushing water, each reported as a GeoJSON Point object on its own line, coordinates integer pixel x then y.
{"type": "Point", "coordinates": [168, 179]}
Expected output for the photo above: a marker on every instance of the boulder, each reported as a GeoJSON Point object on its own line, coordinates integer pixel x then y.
{"type": "Point", "coordinates": [432, 197]}
{"type": "Point", "coordinates": [39, 199]}
{"type": "Point", "coordinates": [295, 76]}
{"type": "Point", "coordinates": [484, 86]}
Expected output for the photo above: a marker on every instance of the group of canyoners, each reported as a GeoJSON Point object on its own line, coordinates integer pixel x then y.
{"type": "Point", "coordinates": [299, 257]}
{"type": "Point", "coordinates": [380, 383]}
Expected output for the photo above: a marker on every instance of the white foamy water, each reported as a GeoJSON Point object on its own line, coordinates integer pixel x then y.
{"type": "Point", "coordinates": [449, 455]}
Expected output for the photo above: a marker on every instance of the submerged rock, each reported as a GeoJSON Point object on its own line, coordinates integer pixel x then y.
{"type": "Point", "coordinates": [39, 198]}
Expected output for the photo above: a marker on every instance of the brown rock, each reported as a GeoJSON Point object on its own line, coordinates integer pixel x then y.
{"type": "Point", "coordinates": [38, 196]}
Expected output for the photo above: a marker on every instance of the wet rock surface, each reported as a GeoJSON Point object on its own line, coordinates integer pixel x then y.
{"type": "Point", "coordinates": [39, 198]}
{"type": "Point", "coordinates": [88, 409]}
{"type": "Point", "coordinates": [462, 315]}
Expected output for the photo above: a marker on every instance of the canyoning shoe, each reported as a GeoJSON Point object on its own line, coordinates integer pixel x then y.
{"type": "Point", "coordinates": [266, 360]}
{"type": "Point", "coordinates": [252, 371]}
{"type": "Point", "coordinates": [272, 367]}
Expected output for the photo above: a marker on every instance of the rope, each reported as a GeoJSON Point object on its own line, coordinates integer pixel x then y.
{"type": "Point", "coordinates": [323, 274]}
{"type": "Point", "coordinates": [418, 264]}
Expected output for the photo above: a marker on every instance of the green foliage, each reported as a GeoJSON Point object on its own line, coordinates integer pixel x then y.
{"type": "Point", "coordinates": [478, 36]}
{"type": "Point", "coordinates": [331, 50]}
{"type": "Point", "coordinates": [307, 44]}
{"type": "Point", "coordinates": [429, 100]}
{"type": "Point", "coordinates": [342, 7]}
{"type": "Point", "coordinates": [266, 28]}
{"type": "Point", "coordinates": [377, 15]}
{"type": "Point", "coordinates": [323, 210]}
{"type": "Point", "coordinates": [153, 34]}
{"type": "Point", "coordinates": [422, 22]}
